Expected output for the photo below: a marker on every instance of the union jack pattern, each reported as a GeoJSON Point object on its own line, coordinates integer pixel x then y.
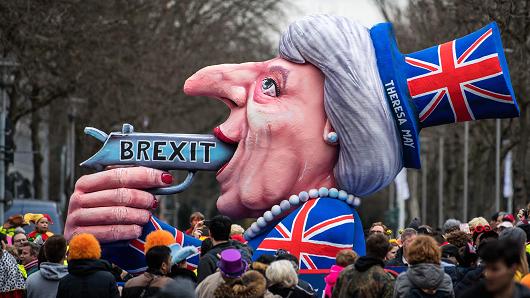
{"type": "Point", "coordinates": [460, 80]}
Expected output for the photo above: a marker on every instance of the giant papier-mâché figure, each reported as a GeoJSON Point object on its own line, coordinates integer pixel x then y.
{"type": "Point", "coordinates": [332, 119]}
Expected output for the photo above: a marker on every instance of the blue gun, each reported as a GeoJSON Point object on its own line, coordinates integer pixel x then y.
{"type": "Point", "coordinates": [190, 152]}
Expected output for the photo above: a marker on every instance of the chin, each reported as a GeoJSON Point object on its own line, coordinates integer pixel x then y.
{"type": "Point", "coordinates": [229, 204]}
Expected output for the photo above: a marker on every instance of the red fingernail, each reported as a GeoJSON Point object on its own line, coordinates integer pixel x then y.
{"type": "Point", "coordinates": [155, 204]}
{"type": "Point", "coordinates": [167, 178]}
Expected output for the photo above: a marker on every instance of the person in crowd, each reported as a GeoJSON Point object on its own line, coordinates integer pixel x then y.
{"type": "Point", "coordinates": [344, 258]}
{"type": "Point", "coordinates": [219, 226]}
{"type": "Point", "coordinates": [179, 264]}
{"type": "Point", "coordinates": [231, 266]}
{"type": "Point", "coordinates": [262, 263]}
{"type": "Point", "coordinates": [120, 275]}
{"type": "Point", "coordinates": [158, 259]}
{"type": "Point", "coordinates": [236, 233]}
{"type": "Point", "coordinates": [28, 256]}
{"type": "Point", "coordinates": [425, 276]}
{"type": "Point", "coordinates": [88, 276]}
{"type": "Point", "coordinates": [450, 225]}
{"type": "Point", "coordinates": [504, 225]}
{"type": "Point", "coordinates": [407, 237]}
{"type": "Point", "coordinates": [378, 227]}
{"type": "Point", "coordinates": [457, 238]}
{"type": "Point", "coordinates": [367, 277]}
{"type": "Point", "coordinates": [19, 239]}
{"type": "Point", "coordinates": [44, 283]}
{"type": "Point", "coordinates": [178, 288]}
{"type": "Point", "coordinates": [392, 252]}
{"type": "Point", "coordinates": [206, 245]}
{"type": "Point", "coordinates": [501, 259]}
{"type": "Point", "coordinates": [477, 221]}
{"type": "Point", "coordinates": [283, 280]}
{"type": "Point", "coordinates": [496, 219]}
{"type": "Point", "coordinates": [518, 236]}
{"type": "Point", "coordinates": [10, 225]}
{"type": "Point", "coordinates": [425, 230]}
{"type": "Point", "coordinates": [479, 231]}
{"type": "Point", "coordinates": [302, 286]}
{"type": "Point", "coordinates": [41, 222]}
{"type": "Point", "coordinates": [12, 283]}
{"type": "Point", "coordinates": [195, 218]}
{"type": "Point", "coordinates": [252, 284]}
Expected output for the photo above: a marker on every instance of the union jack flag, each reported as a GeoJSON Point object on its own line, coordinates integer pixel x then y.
{"type": "Point", "coordinates": [314, 233]}
{"type": "Point", "coordinates": [461, 80]}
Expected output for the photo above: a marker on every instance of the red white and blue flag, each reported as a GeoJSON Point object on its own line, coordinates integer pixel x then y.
{"type": "Point", "coordinates": [461, 80]}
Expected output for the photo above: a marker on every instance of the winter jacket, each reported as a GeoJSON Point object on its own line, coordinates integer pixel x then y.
{"type": "Point", "coordinates": [145, 285]}
{"type": "Point", "coordinates": [88, 278]}
{"type": "Point", "coordinates": [207, 287]}
{"type": "Point", "coordinates": [295, 292]}
{"type": "Point", "coordinates": [423, 276]}
{"type": "Point", "coordinates": [208, 262]}
{"type": "Point", "coordinates": [184, 273]}
{"type": "Point", "coordinates": [11, 279]}
{"type": "Point", "coordinates": [471, 278]}
{"type": "Point", "coordinates": [365, 278]}
{"type": "Point", "coordinates": [479, 290]}
{"type": "Point", "coordinates": [44, 283]}
{"type": "Point", "coordinates": [331, 279]}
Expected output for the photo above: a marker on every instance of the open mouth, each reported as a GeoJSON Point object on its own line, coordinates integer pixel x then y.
{"type": "Point", "coordinates": [221, 136]}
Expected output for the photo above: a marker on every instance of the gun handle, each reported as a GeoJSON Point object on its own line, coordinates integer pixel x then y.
{"type": "Point", "coordinates": [175, 188]}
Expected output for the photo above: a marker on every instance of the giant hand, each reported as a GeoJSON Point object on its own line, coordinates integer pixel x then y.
{"type": "Point", "coordinates": [110, 204]}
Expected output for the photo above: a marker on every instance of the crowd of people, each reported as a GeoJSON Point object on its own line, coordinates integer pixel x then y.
{"type": "Point", "coordinates": [480, 258]}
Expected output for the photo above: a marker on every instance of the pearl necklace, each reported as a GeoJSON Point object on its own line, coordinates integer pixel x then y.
{"type": "Point", "coordinates": [295, 200]}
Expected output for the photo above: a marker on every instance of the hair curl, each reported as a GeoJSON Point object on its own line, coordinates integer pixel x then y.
{"type": "Point", "coordinates": [423, 249]}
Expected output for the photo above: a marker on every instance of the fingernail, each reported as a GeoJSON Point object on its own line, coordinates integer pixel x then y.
{"type": "Point", "coordinates": [155, 204]}
{"type": "Point", "coordinates": [167, 178]}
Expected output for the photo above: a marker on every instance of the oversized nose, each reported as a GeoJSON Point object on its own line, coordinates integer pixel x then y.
{"type": "Point", "coordinates": [225, 81]}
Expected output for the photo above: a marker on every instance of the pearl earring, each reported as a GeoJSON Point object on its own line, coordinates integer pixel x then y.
{"type": "Point", "coordinates": [332, 137]}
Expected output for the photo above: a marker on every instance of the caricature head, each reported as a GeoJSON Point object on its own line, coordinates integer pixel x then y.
{"type": "Point", "coordinates": [281, 111]}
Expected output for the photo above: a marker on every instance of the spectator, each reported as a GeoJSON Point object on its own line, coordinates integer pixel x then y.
{"type": "Point", "coordinates": [392, 251]}
{"type": "Point", "coordinates": [28, 256]}
{"type": "Point", "coordinates": [195, 218]}
{"type": "Point", "coordinates": [283, 280]}
{"type": "Point", "coordinates": [450, 226]}
{"type": "Point", "coordinates": [425, 230]}
{"type": "Point", "coordinates": [477, 221]}
{"type": "Point", "coordinates": [11, 280]}
{"type": "Point", "coordinates": [88, 276]}
{"type": "Point", "coordinates": [178, 288]}
{"type": "Point", "coordinates": [378, 227]}
{"type": "Point", "coordinates": [44, 283]}
{"type": "Point", "coordinates": [367, 277]}
{"type": "Point", "coordinates": [231, 266]}
{"type": "Point", "coordinates": [496, 218]}
{"type": "Point", "coordinates": [457, 238]}
{"type": "Point", "coordinates": [504, 225]}
{"type": "Point", "coordinates": [13, 222]}
{"type": "Point", "coordinates": [148, 284]}
{"type": "Point", "coordinates": [179, 262]}
{"type": "Point", "coordinates": [41, 222]}
{"type": "Point", "coordinates": [252, 284]}
{"type": "Point", "coordinates": [407, 237]}
{"type": "Point", "coordinates": [19, 239]}
{"type": "Point", "coordinates": [517, 236]}
{"type": "Point", "coordinates": [302, 286]}
{"type": "Point", "coordinates": [424, 277]}
{"type": "Point", "coordinates": [478, 232]}
{"type": "Point", "coordinates": [236, 233]}
{"type": "Point", "coordinates": [220, 226]}
{"type": "Point", "coordinates": [344, 258]}
{"type": "Point", "coordinates": [206, 245]}
{"type": "Point", "coordinates": [501, 259]}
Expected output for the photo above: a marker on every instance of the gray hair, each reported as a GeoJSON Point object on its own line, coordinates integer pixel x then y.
{"type": "Point", "coordinates": [407, 233]}
{"type": "Point", "coordinates": [282, 273]}
{"type": "Point", "coordinates": [370, 152]}
{"type": "Point", "coordinates": [450, 224]}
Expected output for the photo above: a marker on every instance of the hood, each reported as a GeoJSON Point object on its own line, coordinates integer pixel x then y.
{"type": "Point", "coordinates": [53, 271]}
{"type": "Point", "coordinates": [426, 276]}
{"type": "Point", "coordinates": [365, 263]}
{"type": "Point", "coordinates": [87, 266]}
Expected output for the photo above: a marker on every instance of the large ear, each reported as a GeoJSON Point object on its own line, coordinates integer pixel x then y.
{"type": "Point", "coordinates": [329, 134]}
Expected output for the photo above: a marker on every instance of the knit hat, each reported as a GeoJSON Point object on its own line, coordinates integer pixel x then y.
{"type": "Point", "coordinates": [35, 217]}
{"type": "Point", "coordinates": [158, 238]}
{"type": "Point", "coordinates": [84, 246]}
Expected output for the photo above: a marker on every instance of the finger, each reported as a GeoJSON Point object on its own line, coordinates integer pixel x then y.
{"type": "Point", "coordinates": [108, 216]}
{"type": "Point", "coordinates": [134, 177]}
{"type": "Point", "coordinates": [106, 234]}
{"type": "Point", "coordinates": [117, 197]}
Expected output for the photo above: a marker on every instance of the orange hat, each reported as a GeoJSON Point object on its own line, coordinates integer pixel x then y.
{"type": "Point", "coordinates": [526, 281]}
{"type": "Point", "coordinates": [158, 238]}
{"type": "Point", "coordinates": [35, 217]}
{"type": "Point", "coordinates": [84, 246]}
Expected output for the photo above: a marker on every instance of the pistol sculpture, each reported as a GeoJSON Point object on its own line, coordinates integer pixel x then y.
{"type": "Point", "coordinates": [190, 152]}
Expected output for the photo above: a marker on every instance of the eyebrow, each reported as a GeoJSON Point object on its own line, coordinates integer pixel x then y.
{"type": "Point", "coordinates": [284, 72]}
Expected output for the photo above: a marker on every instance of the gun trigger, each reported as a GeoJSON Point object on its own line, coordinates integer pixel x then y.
{"type": "Point", "coordinates": [96, 133]}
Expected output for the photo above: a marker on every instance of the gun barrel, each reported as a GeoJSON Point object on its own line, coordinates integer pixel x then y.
{"type": "Point", "coordinates": [162, 151]}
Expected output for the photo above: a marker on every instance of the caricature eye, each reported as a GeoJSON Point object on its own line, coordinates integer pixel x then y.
{"type": "Point", "coordinates": [270, 87]}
